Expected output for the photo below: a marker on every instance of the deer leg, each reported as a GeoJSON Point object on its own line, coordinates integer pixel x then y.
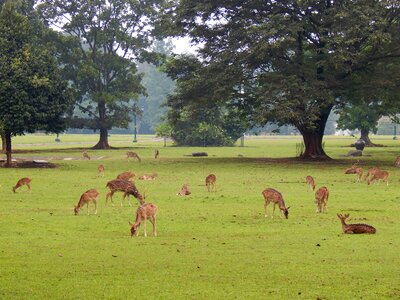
{"type": "Point", "coordinates": [144, 227]}
{"type": "Point", "coordinates": [129, 201]}
{"type": "Point", "coordinates": [153, 221]}
{"type": "Point", "coordinates": [87, 206]}
{"type": "Point", "coordinates": [273, 211]}
{"type": "Point", "coordinates": [265, 208]}
{"type": "Point", "coordinates": [95, 207]}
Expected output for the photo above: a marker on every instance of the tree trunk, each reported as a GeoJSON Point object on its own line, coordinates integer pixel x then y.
{"type": "Point", "coordinates": [8, 149]}
{"type": "Point", "coordinates": [3, 143]}
{"type": "Point", "coordinates": [365, 137]}
{"type": "Point", "coordinates": [103, 142]}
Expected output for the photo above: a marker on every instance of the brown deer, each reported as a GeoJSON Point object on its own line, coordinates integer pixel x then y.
{"type": "Point", "coordinates": [148, 177]}
{"type": "Point", "coordinates": [311, 182]}
{"type": "Point", "coordinates": [85, 155]}
{"type": "Point", "coordinates": [133, 155]}
{"type": "Point", "coordinates": [321, 199]}
{"type": "Point", "coordinates": [156, 154]}
{"type": "Point", "coordinates": [126, 176]}
{"type": "Point", "coordinates": [354, 169]}
{"type": "Point", "coordinates": [211, 182]}
{"type": "Point", "coordinates": [355, 228]}
{"type": "Point", "coordinates": [371, 172]}
{"type": "Point", "coordinates": [126, 186]}
{"type": "Point", "coordinates": [272, 195]}
{"type": "Point", "coordinates": [379, 175]}
{"type": "Point", "coordinates": [144, 212]}
{"type": "Point", "coordinates": [23, 181]}
{"type": "Point", "coordinates": [184, 191]}
{"type": "Point", "coordinates": [87, 197]}
{"type": "Point", "coordinates": [101, 170]}
{"type": "Point", "coordinates": [397, 162]}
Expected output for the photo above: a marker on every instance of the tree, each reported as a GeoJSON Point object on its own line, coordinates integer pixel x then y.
{"type": "Point", "coordinates": [103, 39]}
{"type": "Point", "coordinates": [33, 95]}
{"type": "Point", "coordinates": [292, 61]}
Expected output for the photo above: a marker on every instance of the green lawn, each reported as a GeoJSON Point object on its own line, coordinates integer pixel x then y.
{"type": "Point", "coordinates": [210, 245]}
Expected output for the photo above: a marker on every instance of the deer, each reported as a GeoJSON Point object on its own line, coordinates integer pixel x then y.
{"type": "Point", "coordinates": [371, 172]}
{"type": "Point", "coordinates": [126, 186]}
{"type": "Point", "coordinates": [379, 175]}
{"type": "Point", "coordinates": [85, 155]}
{"type": "Point", "coordinates": [397, 162]}
{"type": "Point", "coordinates": [87, 197]}
{"type": "Point", "coordinates": [211, 182]}
{"type": "Point", "coordinates": [321, 199]}
{"type": "Point", "coordinates": [354, 169]}
{"type": "Point", "coordinates": [272, 195]}
{"type": "Point", "coordinates": [355, 228]}
{"type": "Point", "coordinates": [23, 181]}
{"type": "Point", "coordinates": [126, 176]}
{"type": "Point", "coordinates": [148, 177]}
{"type": "Point", "coordinates": [133, 155]}
{"type": "Point", "coordinates": [144, 212]}
{"type": "Point", "coordinates": [184, 191]}
{"type": "Point", "coordinates": [101, 170]}
{"type": "Point", "coordinates": [311, 182]}
{"type": "Point", "coordinates": [156, 154]}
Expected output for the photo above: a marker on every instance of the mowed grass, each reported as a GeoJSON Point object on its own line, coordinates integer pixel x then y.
{"type": "Point", "coordinates": [213, 245]}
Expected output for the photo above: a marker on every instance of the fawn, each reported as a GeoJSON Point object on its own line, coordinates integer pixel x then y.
{"type": "Point", "coordinates": [211, 182]}
{"type": "Point", "coordinates": [355, 170]}
{"type": "Point", "coordinates": [126, 186]}
{"type": "Point", "coordinates": [321, 198]}
{"type": "Point", "coordinates": [85, 155]}
{"type": "Point", "coordinates": [144, 212]}
{"type": "Point", "coordinates": [371, 172]}
{"type": "Point", "coordinates": [148, 177]}
{"type": "Point", "coordinates": [23, 181]}
{"type": "Point", "coordinates": [379, 175]}
{"type": "Point", "coordinates": [101, 170]}
{"type": "Point", "coordinates": [133, 155]}
{"type": "Point", "coordinates": [355, 228]}
{"type": "Point", "coordinates": [184, 191]}
{"type": "Point", "coordinates": [86, 198]}
{"type": "Point", "coordinates": [126, 176]}
{"type": "Point", "coordinates": [156, 154]}
{"type": "Point", "coordinates": [311, 182]}
{"type": "Point", "coordinates": [272, 195]}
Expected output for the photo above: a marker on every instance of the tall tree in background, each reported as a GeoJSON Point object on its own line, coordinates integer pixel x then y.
{"type": "Point", "coordinates": [110, 37]}
{"type": "Point", "coordinates": [292, 61]}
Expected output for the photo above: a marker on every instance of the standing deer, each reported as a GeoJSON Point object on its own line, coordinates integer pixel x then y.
{"type": "Point", "coordinates": [126, 176]}
{"type": "Point", "coordinates": [321, 199]}
{"type": "Point", "coordinates": [371, 172]}
{"type": "Point", "coordinates": [23, 181]}
{"type": "Point", "coordinates": [355, 228]}
{"type": "Point", "coordinates": [211, 182]}
{"type": "Point", "coordinates": [397, 162]}
{"type": "Point", "coordinates": [144, 212]}
{"type": "Point", "coordinates": [272, 195]}
{"type": "Point", "coordinates": [355, 170]}
{"type": "Point", "coordinates": [148, 177]}
{"type": "Point", "coordinates": [133, 155]}
{"type": "Point", "coordinates": [128, 187]}
{"type": "Point", "coordinates": [379, 175]}
{"type": "Point", "coordinates": [311, 182]}
{"type": "Point", "coordinates": [101, 170]}
{"type": "Point", "coordinates": [156, 154]}
{"type": "Point", "coordinates": [87, 197]}
{"type": "Point", "coordinates": [85, 155]}
{"type": "Point", "coordinates": [184, 191]}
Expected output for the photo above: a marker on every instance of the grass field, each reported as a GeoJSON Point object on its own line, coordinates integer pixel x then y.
{"type": "Point", "coordinates": [213, 245]}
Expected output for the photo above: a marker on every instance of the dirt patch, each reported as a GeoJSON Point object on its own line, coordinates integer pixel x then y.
{"type": "Point", "coordinates": [29, 164]}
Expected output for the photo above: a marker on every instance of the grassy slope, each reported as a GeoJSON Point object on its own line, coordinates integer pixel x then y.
{"type": "Point", "coordinates": [210, 245]}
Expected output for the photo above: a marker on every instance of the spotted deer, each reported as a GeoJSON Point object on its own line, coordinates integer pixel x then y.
{"type": "Point", "coordinates": [101, 170]}
{"type": "Point", "coordinates": [311, 182]}
{"type": "Point", "coordinates": [87, 197]}
{"type": "Point", "coordinates": [272, 195]}
{"type": "Point", "coordinates": [371, 172]}
{"type": "Point", "coordinates": [379, 175]}
{"type": "Point", "coordinates": [355, 228]}
{"type": "Point", "coordinates": [126, 176]}
{"type": "Point", "coordinates": [144, 212]}
{"type": "Point", "coordinates": [85, 155]}
{"type": "Point", "coordinates": [211, 182]}
{"type": "Point", "coordinates": [184, 191]}
{"type": "Point", "coordinates": [126, 186]}
{"type": "Point", "coordinates": [148, 177]}
{"type": "Point", "coordinates": [23, 181]}
{"type": "Point", "coordinates": [321, 199]}
{"type": "Point", "coordinates": [156, 154]}
{"type": "Point", "coordinates": [354, 169]}
{"type": "Point", "coordinates": [133, 155]}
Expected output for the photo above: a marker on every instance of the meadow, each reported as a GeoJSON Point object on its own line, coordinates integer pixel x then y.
{"type": "Point", "coordinates": [214, 245]}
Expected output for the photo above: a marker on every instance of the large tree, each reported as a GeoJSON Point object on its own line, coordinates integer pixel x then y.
{"type": "Point", "coordinates": [33, 95]}
{"type": "Point", "coordinates": [291, 60]}
{"type": "Point", "coordinates": [105, 39]}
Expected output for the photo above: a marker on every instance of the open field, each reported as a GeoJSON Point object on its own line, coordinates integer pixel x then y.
{"type": "Point", "coordinates": [213, 245]}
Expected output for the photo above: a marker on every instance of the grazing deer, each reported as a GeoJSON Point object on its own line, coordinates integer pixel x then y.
{"type": "Point", "coordinates": [144, 212]}
{"type": "Point", "coordinates": [311, 182]}
{"type": "Point", "coordinates": [126, 176]}
{"type": "Point", "coordinates": [87, 197]}
{"type": "Point", "coordinates": [126, 186]}
{"type": "Point", "coordinates": [379, 175]}
{"type": "Point", "coordinates": [85, 155]}
{"type": "Point", "coordinates": [156, 154]}
{"type": "Point", "coordinates": [133, 155]}
{"type": "Point", "coordinates": [184, 191]}
{"type": "Point", "coordinates": [148, 177]}
{"type": "Point", "coordinates": [397, 162]}
{"type": "Point", "coordinates": [272, 195]}
{"type": "Point", "coordinates": [371, 172]}
{"type": "Point", "coordinates": [211, 182]}
{"type": "Point", "coordinates": [23, 181]}
{"type": "Point", "coordinates": [355, 228]}
{"type": "Point", "coordinates": [321, 198]}
{"type": "Point", "coordinates": [101, 170]}
{"type": "Point", "coordinates": [355, 170]}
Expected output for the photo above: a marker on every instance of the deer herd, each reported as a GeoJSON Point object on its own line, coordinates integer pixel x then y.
{"type": "Point", "coordinates": [124, 183]}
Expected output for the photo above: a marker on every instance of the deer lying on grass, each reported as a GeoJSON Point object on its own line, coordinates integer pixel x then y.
{"type": "Point", "coordinates": [132, 155]}
{"type": "Point", "coordinates": [156, 154]}
{"type": "Point", "coordinates": [184, 191]}
{"type": "Point", "coordinates": [85, 155]}
{"type": "Point", "coordinates": [379, 175]}
{"type": "Point", "coordinates": [311, 182]}
{"type": "Point", "coordinates": [355, 170]}
{"type": "Point", "coordinates": [148, 177]}
{"type": "Point", "coordinates": [355, 228]}
{"type": "Point", "coordinates": [321, 199]}
{"type": "Point", "coordinates": [87, 197]}
{"type": "Point", "coordinates": [144, 212]}
{"type": "Point", "coordinates": [101, 170]}
{"type": "Point", "coordinates": [23, 181]}
{"type": "Point", "coordinates": [371, 172]}
{"type": "Point", "coordinates": [272, 195]}
{"type": "Point", "coordinates": [126, 176]}
{"type": "Point", "coordinates": [211, 182]}
{"type": "Point", "coordinates": [126, 186]}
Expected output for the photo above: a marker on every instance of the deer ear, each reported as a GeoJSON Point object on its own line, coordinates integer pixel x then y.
{"type": "Point", "coordinates": [347, 215]}
{"type": "Point", "coordinates": [130, 223]}
{"type": "Point", "coordinates": [288, 207]}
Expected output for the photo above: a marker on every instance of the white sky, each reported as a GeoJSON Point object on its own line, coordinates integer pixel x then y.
{"type": "Point", "coordinates": [182, 45]}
